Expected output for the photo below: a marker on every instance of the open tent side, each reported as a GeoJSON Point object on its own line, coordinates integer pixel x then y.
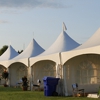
{"type": "Point", "coordinates": [44, 66]}
{"type": "Point", "coordinates": [82, 66]}
{"type": "Point", "coordinates": [22, 61]}
{"type": "Point", "coordinates": [2, 69]}
{"type": "Point", "coordinates": [75, 59]}
{"type": "Point", "coordinates": [17, 70]}
{"type": "Point", "coordinates": [4, 60]}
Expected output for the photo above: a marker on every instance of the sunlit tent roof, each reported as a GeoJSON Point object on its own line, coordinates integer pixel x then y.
{"type": "Point", "coordinates": [63, 43]}
{"type": "Point", "coordinates": [32, 50]}
{"type": "Point", "coordinates": [91, 46]}
{"type": "Point", "coordinates": [8, 54]}
{"type": "Point", "coordinates": [94, 40]}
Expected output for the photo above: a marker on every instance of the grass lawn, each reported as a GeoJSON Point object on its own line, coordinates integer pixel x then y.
{"type": "Point", "coordinates": [8, 93]}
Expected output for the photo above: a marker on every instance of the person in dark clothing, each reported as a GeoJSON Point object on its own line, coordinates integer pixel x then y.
{"type": "Point", "coordinates": [5, 74]}
{"type": "Point", "coordinates": [24, 81]}
{"type": "Point", "coordinates": [0, 80]}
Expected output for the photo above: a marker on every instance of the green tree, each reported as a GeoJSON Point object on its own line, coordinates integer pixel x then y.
{"type": "Point", "coordinates": [3, 49]}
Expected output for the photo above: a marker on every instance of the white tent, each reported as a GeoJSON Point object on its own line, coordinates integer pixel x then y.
{"type": "Point", "coordinates": [5, 57]}
{"type": "Point", "coordinates": [32, 50]}
{"type": "Point", "coordinates": [47, 63]}
{"type": "Point", "coordinates": [82, 65]}
{"type": "Point", "coordinates": [19, 65]}
{"type": "Point", "coordinates": [63, 43]}
{"type": "Point", "coordinates": [8, 54]}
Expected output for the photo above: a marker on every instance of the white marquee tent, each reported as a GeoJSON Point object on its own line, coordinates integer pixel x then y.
{"type": "Point", "coordinates": [19, 66]}
{"type": "Point", "coordinates": [5, 57]}
{"type": "Point", "coordinates": [82, 65]}
{"type": "Point", "coordinates": [63, 43]}
{"type": "Point", "coordinates": [47, 63]}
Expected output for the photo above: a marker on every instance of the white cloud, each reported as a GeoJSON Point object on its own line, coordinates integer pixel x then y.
{"type": "Point", "coordinates": [11, 11]}
{"type": "Point", "coordinates": [32, 3]}
{"type": "Point", "coordinates": [3, 21]}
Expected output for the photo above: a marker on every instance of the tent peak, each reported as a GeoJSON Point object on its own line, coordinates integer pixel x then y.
{"type": "Point", "coordinates": [63, 43]}
{"type": "Point", "coordinates": [32, 50]}
{"type": "Point", "coordinates": [64, 27]}
{"type": "Point", "coordinates": [9, 54]}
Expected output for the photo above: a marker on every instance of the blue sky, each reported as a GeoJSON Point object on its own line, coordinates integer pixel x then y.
{"type": "Point", "coordinates": [23, 20]}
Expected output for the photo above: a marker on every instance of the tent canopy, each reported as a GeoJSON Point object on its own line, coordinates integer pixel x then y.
{"type": "Point", "coordinates": [8, 54]}
{"type": "Point", "coordinates": [32, 50]}
{"type": "Point", "coordinates": [94, 40]}
{"type": "Point", "coordinates": [91, 46]}
{"type": "Point", "coordinates": [62, 43]}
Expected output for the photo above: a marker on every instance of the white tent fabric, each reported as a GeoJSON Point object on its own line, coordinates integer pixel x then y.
{"type": "Point", "coordinates": [70, 54]}
{"type": "Point", "coordinates": [86, 55]}
{"type": "Point", "coordinates": [19, 66]}
{"type": "Point", "coordinates": [90, 46]}
{"type": "Point", "coordinates": [32, 50]}
{"type": "Point", "coordinates": [5, 57]}
{"type": "Point", "coordinates": [62, 43]}
{"type": "Point", "coordinates": [51, 57]}
{"type": "Point", "coordinates": [93, 41]}
{"type": "Point", "coordinates": [8, 54]}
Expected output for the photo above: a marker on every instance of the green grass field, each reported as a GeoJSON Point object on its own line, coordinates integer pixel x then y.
{"type": "Point", "coordinates": [8, 93]}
